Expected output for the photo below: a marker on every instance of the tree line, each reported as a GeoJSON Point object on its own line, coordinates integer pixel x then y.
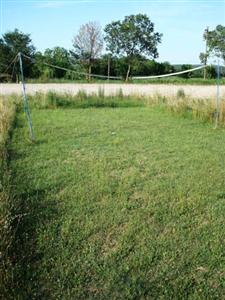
{"type": "Point", "coordinates": [131, 48]}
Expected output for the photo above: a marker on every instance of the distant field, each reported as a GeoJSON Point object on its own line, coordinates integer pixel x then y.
{"type": "Point", "coordinates": [194, 91]}
{"type": "Point", "coordinates": [118, 203]}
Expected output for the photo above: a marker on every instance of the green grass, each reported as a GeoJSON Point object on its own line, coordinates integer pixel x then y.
{"type": "Point", "coordinates": [7, 116]}
{"type": "Point", "coordinates": [202, 109]}
{"type": "Point", "coordinates": [169, 80]}
{"type": "Point", "coordinates": [118, 203]}
{"type": "Point", "coordinates": [180, 80]}
{"type": "Point", "coordinates": [82, 100]}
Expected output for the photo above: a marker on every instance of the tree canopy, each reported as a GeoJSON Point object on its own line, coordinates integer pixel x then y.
{"type": "Point", "coordinates": [131, 44]}
{"type": "Point", "coordinates": [133, 36]}
{"type": "Point", "coordinates": [88, 43]}
{"type": "Point", "coordinates": [216, 41]}
{"type": "Point", "coordinates": [11, 43]}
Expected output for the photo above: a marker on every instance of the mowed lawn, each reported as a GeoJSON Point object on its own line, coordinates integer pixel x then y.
{"type": "Point", "coordinates": [124, 203]}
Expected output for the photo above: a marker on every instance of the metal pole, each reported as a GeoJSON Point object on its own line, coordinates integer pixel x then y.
{"type": "Point", "coordinates": [206, 49]}
{"type": "Point", "coordinates": [217, 94]}
{"type": "Point", "coordinates": [25, 100]}
{"type": "Point", "coordinates": [109, 66]}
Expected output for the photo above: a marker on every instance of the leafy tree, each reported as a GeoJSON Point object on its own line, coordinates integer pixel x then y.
{"type": "Point", "coordinates": [215, 45]}
{"type": "Point", "coordinates": [60, 57]}
{"type": "Point", "coordinates": [37, 68]}
{"type": "Point", "coordinates": [11, 43]}
{"type": "Point", "coordinates": [205, 55]}
{"type": "Point", "coordinates": [216, 41]}
{"type": "Point", "coordinates": [167, 68]}
{"type": "Point", "coordinates": [88, 44]}
{"type": "Point", "coordinates": [56, 56]}
{"type": "Point", "coordinates": [184, 68]}
{"type": "Point", "coordinates": [141, 66]}
{"type": "Point", "coordinates": [211, 72]}
{"type": "Point", "coordinates": [101, 65]}
{"type": "Point", "coordinates": [204, 59]}
{"type": "Point", "coordinates": [133, 36]}
{"type": "Point", "coordinates": [4, 61]}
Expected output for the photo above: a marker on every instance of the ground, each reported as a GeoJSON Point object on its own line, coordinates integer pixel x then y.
{"type": "Point", "coordinates": [124, 203]}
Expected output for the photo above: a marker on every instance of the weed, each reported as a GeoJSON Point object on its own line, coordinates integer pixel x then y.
{"type": "Point", "coordinates": [181, 94]}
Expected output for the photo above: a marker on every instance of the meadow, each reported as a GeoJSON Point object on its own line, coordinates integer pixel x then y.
{"type": "Point", "coordinates": [118, 198]}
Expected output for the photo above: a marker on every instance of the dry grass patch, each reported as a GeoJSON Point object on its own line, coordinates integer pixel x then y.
{"type": "Point", "coordinates": [7, 116]}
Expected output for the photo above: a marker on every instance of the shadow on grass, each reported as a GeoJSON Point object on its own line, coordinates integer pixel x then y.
{"type": "Point", "coordinates": [28, 212]}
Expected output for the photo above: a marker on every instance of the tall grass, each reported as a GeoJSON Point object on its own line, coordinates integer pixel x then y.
{"type": "Point", "coordinates": [182, 104]}
{"type": "Point", "coordinates": [7, 116]}
{"type": "Point", "coordinates": [53, 100]}
{"type": "Point", "coordinates": [201, 109]}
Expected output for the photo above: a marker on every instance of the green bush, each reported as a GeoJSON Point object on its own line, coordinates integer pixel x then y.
{"type": "Point", "coordinates": [180, 93]}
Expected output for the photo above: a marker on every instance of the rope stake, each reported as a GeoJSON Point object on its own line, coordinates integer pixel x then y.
{"type": "Point", "coordinates": [25, 100]}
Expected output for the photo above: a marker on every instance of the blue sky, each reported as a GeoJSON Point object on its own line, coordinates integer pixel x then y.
{"type": "Point", "coordinates": [55, 22]}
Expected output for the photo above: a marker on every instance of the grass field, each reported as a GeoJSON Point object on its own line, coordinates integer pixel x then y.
{"type": "Point", "coordinates": [169, 80]}
{"type": "Point", "coordinates": [118, 203]}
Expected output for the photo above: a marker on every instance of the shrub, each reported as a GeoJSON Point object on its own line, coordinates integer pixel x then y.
{"type": "Point", "coordinates": [181, 94]}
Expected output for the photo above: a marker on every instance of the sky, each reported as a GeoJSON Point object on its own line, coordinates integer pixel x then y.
{"type": "Point", "coordinates": [54, 22]}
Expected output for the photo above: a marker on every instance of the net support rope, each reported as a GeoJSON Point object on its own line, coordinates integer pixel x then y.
{"type": "Point", "coordinates": [25, 100]}
{"type": "Point", "coordinates": [71, 70]}
{"type": "Point", "coordinates": [11, 63]}
{"type": "Point", "coordinates": [170, 74]}
{"type": "Point", "coordinates": [147, 77]}
{"type": "Point", "coordinates": [116, 77]}
{"type": "Point", "coordinates": [26, 106]}
{"type": "Point", "coordinates": [217, 95]}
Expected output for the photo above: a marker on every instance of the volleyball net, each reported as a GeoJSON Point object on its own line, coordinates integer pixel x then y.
{"type": "Point", "coordinates": [18, 59]}
{"type": "Point", "coordinates": [93, 75]}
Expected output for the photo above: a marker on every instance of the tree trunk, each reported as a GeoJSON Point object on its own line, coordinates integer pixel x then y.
{"type": "Point", "coordinates": [108, 68]}
{"type": "Point", "coordinates": [206, 50]}
{"type": "Point", "coordinates": [89, 72]}
{"type": "Point", "coordinates": [128, 72]}
{"type": "Point", "coordinates": [205, 72]}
